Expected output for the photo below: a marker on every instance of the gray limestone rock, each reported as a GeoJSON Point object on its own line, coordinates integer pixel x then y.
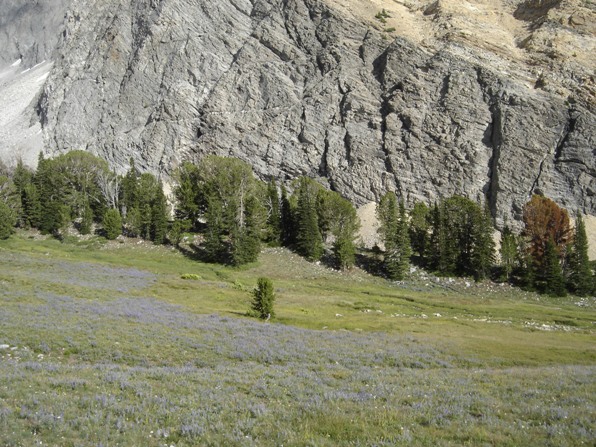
{"type": "Point", "coordinates": [295, 88]}
{"type": "Point", "coordinates": [29, 30]}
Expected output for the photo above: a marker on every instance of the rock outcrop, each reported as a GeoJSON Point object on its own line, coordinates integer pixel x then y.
{"type": "Point", "coordinates": [301, 87]}
{"type": "Point", "coordinates": [29, 30]}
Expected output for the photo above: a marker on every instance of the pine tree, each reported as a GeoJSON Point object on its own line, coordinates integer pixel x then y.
{"type": "Point", "coordinates": [130, 189]}
{"type": "Point", "coordinates": [159, 216]}
{"type": "Point", "coordinates": [87, 219]}
{"type": "Point", "coordinates": [246, 243]}
{"type": "Point", "coordinates": [215, 248]}
{"type": "Point", "coordinates": [288, 233]}
{"type": "Point", "coordinates": [264, 297]}
{"type": "Point", "coordinates": [309, 242]}
{"type": "Point", "coordinates": [189, 198]}
{"type": "Point", "coordinates": [274, 226]}
{"type": "Point", "coordinates": [580, 277]}
{"type": "Point", "coordinates": [8, 220]}
{"type": "Point", "coordinates": [31, 206]}
{"type": "Point", "coordinates": [508, 252]}
{"type": "Point", "coordinates": [552, 279]}
{"type": "Point", "coordinates": [483, 245]}
{"type": "Point", "coordinates": [403, 242]}
{"type": "Point", "coordinates": [394, 232]}
{"type": "Point", "coordinates": [146, 219]}
{"type": "Point", "coordinates": [112, 224]}
{"type": "Point", "coordinates": [419, 230]}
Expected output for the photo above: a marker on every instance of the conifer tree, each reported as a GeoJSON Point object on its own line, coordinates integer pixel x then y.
{"type": "Point", "coordinates": [403, 241]}
{"type": "Point", "coordinates": [434, 248]}
{"type": "Point", "coordinates": [159, 216]}
{"type": "Point", "coordinates": [274, 226]}
{"type": "Point", "coordinates": [8, 220]}
{"type": "Point", "coordinates": [215, 248]}
{"type": "Point", "coordinates": [394, 232]}
{"type": "Point", "coordinates": [580, 276]}
{"type": "Point", "coordinates": [31, 206]}
{"type": "Point", "coordinates": [309, 242]}
{"type": "Point", "coordinates": [130, 189]}
{"type": "Point", "coordinates": [288, 233]}
{"type": "Point", "coordinates": [263, 299]}
{"type": "Point", "coordinates": [246, 243]}
{"type": "Point", "coordinates": [112, 223]}
{"type": "Point", "coordinates": [483, 245]}
{"type": "Point", "coordinates": [419, 230]}
{"type": "Point", "coordinates": [508, 252]}
{"type": "Point", "coordinates": [190, 199]}
{"type": "Point", "coordinates": [87, 219]}
{"type": "Point", "coordinates": [10, 197]}
{"type": "Point", "coordinates": [552, 278]}
{"type": "Point", "coordinates": [341, 221]}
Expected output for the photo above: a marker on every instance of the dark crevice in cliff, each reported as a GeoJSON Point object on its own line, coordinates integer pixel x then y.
{"type": "Point", "coordinates": [535, 189]}
{"type": "Point", "coordinates": [567, 131]}
{"type": "Point", "coordinates": [323, 165]}
{"type": "Point", "coordinates": [444, 90]}
{"type": "Point", "coordinates": [493, 138]}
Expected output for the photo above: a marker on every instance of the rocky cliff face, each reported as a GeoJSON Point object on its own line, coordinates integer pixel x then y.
{"type": "Point", "coordinates": [310, 87]}
{"type": "Point", "coordinates": [29, 30]}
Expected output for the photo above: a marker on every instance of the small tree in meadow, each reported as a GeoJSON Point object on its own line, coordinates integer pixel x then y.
{"type": "Point", "coordinates": [112, 223]}
{"type": "Point", "coordinates": [264, 297]}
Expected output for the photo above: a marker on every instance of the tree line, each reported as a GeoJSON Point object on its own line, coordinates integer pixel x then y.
{"type": "Point", "coordinates": [234, 213]}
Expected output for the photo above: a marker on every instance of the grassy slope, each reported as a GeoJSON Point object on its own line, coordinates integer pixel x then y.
{"type": "Point", "coordinates": [112, 344]}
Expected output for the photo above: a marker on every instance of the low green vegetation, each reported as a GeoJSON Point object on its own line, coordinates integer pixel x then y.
{"type": "Point", "coordinates": [107, 343]}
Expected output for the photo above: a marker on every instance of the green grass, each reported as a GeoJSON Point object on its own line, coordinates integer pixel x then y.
{"type": "Point", "coordinates": [112, 343]}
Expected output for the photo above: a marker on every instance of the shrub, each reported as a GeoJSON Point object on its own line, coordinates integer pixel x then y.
{"type": "Point", "coordinates": [191, 276]}
{"type": "Point", "coordinates": [263, 298]}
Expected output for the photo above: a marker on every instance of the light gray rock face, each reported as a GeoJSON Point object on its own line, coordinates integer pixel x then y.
{"type": "Point", "coordinates": [294, 89]}
{"type": "Point", "coordinates": [29, 30]}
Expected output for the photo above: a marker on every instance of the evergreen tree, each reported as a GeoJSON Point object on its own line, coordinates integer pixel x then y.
{"type": "Point", "coordinates": [159, 216]}
{"type": "Point", "coordinates": [274, 224]}
{"type": "Point", "coordinates": [435, 246]}
{"type": "Point", "coordinates": [342, 223]}
{"type": "Point", "coordinates": [134, 222]}
{"type": "Point", "coordinates": [394, 232]}
{"type": "Point", "coordinates": [552, 278]}
{"type": "Point", "coordinates": [246, 243]}
{"type": "Point", "coordinates": [146, 219]}
{"type": "Point", "coordinates": [309, 242]}
{"type": "Point", "coordinates": [31, 206]}
{"type": "Point", "coordinates": [8, 220]}
{"type": "Point", "coordinates": [130, 193]}
{"type": "Point", "coordinates": [215, 248]}
{"type": "Point", "coordinates": [419, 230]}
{"type": "Point", "coordinates": [87, 219]}
{"type": "Point", "coordinates": [403, 242]}
{"type": "Point", "coordinates": [264, 297]}
{"type": "Point", "coordinates": [177, 231]}
{"type": "Point", "coordinates": [112, 223]}
{"type": "Point", "coordinates": [483, 245]}
{"type": "Point", "coordinates": [23, 182]}
{"type": "Point", "coordinates": [580, 277]}
{"type": "Point", "coordinates": [288, 233]}
{"type": "Point", "coordinates": [508, 252]}
{"type": "Point", "coordinates": [189, 197]}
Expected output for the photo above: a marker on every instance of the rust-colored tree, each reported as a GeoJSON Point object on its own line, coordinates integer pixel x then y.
{"type": "Point", "coordinates": [544, 220]}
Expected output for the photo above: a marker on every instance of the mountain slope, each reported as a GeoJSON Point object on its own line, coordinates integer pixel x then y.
{"type": "Point", "coordinates": [322, 88]}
